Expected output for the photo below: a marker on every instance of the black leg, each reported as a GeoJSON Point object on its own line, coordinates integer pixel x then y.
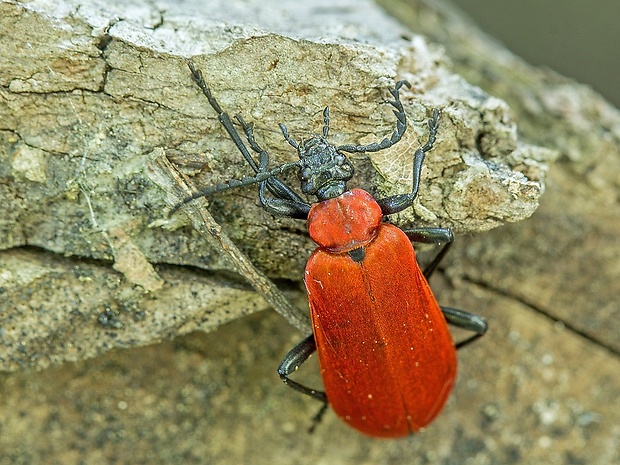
{"type": "Point", "coordinates": [293, 360]}
{"type": "Point", "coordinates": [290, 363]}
{"type": "Point", "coordinates": [278, 206]}
{"type": "Point", "coordinates": [283, 205]}
{"type": "Point", "coordinates": [396, 203]}
{"type": "Point", "coordinates": [454, 316]}
{"type": "Point", "coordinates": [432, 236]}
{"type": "Point", "coordinates": [465, 320]}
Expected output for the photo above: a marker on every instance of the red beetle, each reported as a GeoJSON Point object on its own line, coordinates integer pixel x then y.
{"type": "Point", "coordinates": [387, 359]}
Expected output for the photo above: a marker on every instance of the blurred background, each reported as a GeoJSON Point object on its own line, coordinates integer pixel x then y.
{"type": "Point", "coordinates": [575, 38]}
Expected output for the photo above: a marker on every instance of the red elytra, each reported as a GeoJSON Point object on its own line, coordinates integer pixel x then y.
{"type": "Point", "coordinates": [386, 355]}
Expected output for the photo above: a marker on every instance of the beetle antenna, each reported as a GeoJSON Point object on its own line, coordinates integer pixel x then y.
{"type": "Point", "coordinates": [397, 134]}
{"type": "Point", "coordinates": [234, 183]}
{"type": "Point", "coordinates": [326, 122]}
{"type": "Point", "coordinates": [288, 138]}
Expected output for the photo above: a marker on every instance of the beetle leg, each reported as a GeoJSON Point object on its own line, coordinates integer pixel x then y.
{"type": "Point", "coordinates": [465, 320]}
{"type": "Point", "coordinates": [432, 236]}
{"type": "Point", "coordinates": [290, 208]}
{"type": "Point", "coordinates": [316, 419]}
{"type": "Point", "coordinates": [429, 235]}
{"type": "Point", "coordinates": [279, 189]}
{"type": "Point", "coordinates": [399, 202]}
{"type": "Point", "coordinates": [282, 207]}
{"type": "Point", "coordinates": [293, 360]}
{"type": "Point", "coordinates": [287, 203]}
{"type": "Point", "coordinates": [290, 363]}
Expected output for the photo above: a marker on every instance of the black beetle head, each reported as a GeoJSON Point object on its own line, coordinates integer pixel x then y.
{"type": "Point", "coordinates": [325, 171]}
